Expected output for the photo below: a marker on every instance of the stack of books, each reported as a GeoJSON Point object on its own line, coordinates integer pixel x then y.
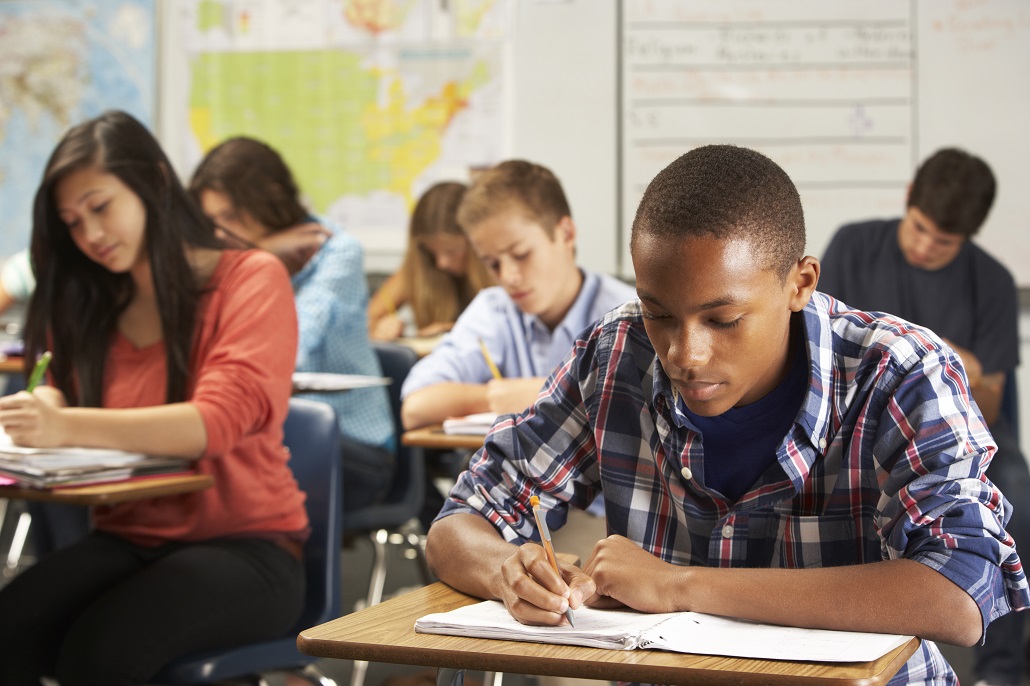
{"type": "Point", "coordinates": [55, 467]}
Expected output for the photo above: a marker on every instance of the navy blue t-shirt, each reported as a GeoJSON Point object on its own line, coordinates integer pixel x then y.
{"type": "Point", "coordinates": [740, 444]}
{"type": "Point", "coordinates": [972, 301]}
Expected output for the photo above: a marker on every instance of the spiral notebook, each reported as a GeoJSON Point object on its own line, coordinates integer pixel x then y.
{"type": "Point", "coordinates": [682, 632]}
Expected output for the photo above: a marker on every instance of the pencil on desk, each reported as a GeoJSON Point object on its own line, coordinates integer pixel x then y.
{"type": "Point", "coordinates": [489, 360]}
{"type": "Point", "coordinates": [545, 540]}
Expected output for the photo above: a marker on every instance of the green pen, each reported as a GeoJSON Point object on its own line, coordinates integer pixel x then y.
{"type": "Point", "coordinates": [38, 371]}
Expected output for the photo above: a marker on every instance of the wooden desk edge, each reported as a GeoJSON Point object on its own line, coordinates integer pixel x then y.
{"type": "Point", "coordinates": [434, 437]}
{"type": "Point", "coordinates": [593, 663]}
{"type": "Point", "coordinates": [113, 492]}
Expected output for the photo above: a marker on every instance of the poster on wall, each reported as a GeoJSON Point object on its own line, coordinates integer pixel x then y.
{"type": "Point", "coordinates": [63, 61]}
{"type": "Point", "coordinates": [369, 101]}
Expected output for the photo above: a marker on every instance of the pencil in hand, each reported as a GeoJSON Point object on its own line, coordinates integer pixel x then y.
{"type": "Point", "coordinates": [545, 540]}
{"type": "Point", "coordinates": [39, 371]}
{"type": "Point", "coordinates": [489, 360]}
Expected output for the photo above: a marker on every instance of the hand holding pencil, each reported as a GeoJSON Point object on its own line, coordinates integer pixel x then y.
{"type": "Point", "coordinates": [545, 541]}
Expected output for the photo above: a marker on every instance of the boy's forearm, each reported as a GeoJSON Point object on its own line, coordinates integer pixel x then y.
{"type": "Point", "coordinates": [466, 552]}
{"type": "Point", "coordinates": [433, 404]}
{"type": "Point", "coordinates": [899, 596]}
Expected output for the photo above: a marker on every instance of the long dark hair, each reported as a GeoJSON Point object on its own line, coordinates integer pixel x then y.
{"type": "Point", "coordinates": [75, 308]}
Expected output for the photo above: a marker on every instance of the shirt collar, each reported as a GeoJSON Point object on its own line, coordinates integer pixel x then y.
{"type": "Point", "coordinates": [578, 316]}
{"type": "Point", "coordinates": [814, 416]}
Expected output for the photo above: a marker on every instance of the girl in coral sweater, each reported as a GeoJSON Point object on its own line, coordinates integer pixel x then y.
{"type": "Point", "coordinates": [163, 343]}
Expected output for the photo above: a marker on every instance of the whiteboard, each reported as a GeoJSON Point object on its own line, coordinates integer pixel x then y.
{"type": "Point", "coordinates": [847, 96]}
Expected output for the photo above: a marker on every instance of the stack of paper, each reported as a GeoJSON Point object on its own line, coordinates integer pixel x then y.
{"type": "Point", "coordinates": [50, 467]}
{"type": "Point", "coordinates": [476, 424]}
{"type": "Point", "coordinates": [324, 381]}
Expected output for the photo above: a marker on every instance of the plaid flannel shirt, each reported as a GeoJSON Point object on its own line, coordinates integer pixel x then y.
{"type": "Point", "coordinates": [885, 460]}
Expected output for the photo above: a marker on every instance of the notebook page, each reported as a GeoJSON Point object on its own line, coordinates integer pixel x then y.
{"type": "Point", "coordinates": [613, 629]}
{"type": "Point", "coordinates": [693, 632]}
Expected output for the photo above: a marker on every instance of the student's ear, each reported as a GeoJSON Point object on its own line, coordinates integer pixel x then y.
{"type": "Point", "coordinates": [565, 231]}
{"type": "Point", "coordinates": [803, 279]}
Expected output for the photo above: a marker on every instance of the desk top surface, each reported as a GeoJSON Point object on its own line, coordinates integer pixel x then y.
{"type": "Point", "coordinates": [114, 491]}
{"type": "Point", "coordinates": [434, 437]}
{"type": "Point", "coordinates": [385, 633]}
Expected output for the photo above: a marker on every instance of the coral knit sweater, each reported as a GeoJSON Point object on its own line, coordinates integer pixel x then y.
{"type": "Point", "coordinates": [240, 381]}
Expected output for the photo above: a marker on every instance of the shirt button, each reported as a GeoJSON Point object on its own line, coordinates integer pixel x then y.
{"type": "Point", "coordinates": [687, 474]}
{"type": "Point", "coordinates": [727, 531]}
{"type": "Point", "coordinates": [822, 444]}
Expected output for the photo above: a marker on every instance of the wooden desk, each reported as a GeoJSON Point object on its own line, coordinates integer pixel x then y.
{"type": "Point", "coordinates": [114, 491]}
{"type": "Point", "coordinates": [422, 345]}
{"type": "Point", "coordinates": [434, 437]}
{"type": "Point", "coordinates": [385, 633]}
{"type": "Point", "coordinates": [11, 365]}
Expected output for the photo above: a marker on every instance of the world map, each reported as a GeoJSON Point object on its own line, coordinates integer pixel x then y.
{"type": "Point", "coordinates": [62, 62]}
{"type": "Point", "coordinates": [369, 101]}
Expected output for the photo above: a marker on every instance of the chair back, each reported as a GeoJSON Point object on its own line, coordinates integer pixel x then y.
{"type": "Point", "coordinates": [407, 493]}
{"type": "Point", "coordinates": [312, 434]}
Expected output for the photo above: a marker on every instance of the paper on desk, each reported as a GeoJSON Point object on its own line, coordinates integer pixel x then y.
{"type": "Point", "coordinates": [474, 424]}
{"type": "Point", "coordinates": [684, 632]}
{"type": "Point", "coordinates": [323, 381]}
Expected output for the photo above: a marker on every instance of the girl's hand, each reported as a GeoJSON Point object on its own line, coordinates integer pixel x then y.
{"type": "Point", "coordinates": [388, 328]}
{"type": "Point", "coordinates": [34, 419]}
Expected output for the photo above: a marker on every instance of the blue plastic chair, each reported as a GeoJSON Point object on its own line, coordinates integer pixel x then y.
{"type": "Point", "coordinates": [311, 432]}
{"type": "Point", "coordinates": [403, 503]}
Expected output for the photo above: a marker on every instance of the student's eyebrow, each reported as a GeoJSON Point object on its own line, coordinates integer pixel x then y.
{"type": "Point", "coordinates": [710, 305]}
{"type": "Point", "coordinates": [508, 248]}
{"type": "Point", "coordinates": [79, 200]}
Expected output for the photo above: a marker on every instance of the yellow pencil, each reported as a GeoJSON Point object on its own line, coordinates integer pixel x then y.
{"type": "Point", "coordinates": [489, 360]}
{"type": "Point", "coordinates": [545, 540]}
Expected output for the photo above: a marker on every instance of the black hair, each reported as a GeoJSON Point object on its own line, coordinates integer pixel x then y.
{"type": "Point", "coordinates": [75, 308]}
{"type": "Point", "coordinates": [726, 192]}
{"type": "Point", "coordinates": [955, 190]}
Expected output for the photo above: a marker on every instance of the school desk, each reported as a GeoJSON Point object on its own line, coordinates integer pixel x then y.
{"type": "Point", "coordinates": [385, 633]}
{"type": "Point", "coordinates": [11, 365]}
{"type": "Point", "coordinates": [435, 438]}
{"type": "Point", "coordinates": [112, 492]}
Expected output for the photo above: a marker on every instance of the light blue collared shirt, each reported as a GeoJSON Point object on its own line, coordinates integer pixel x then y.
{"type": "Point", "coordinates": [332, 296]}
{"type": "Point", "coordinates": [520, 344]}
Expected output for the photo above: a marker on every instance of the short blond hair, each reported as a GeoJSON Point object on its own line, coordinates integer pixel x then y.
{"type": "Point", "coordinates": [515, 185]}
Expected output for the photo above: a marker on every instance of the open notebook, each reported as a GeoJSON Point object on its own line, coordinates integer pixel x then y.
{"type": "Point", "coordinates": [52, 467]}
{"type": "Point", "coordinates": [682, 632]}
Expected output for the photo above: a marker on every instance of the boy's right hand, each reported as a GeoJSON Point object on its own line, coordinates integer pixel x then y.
{"type": "Point", "coordinates": [535, 594]}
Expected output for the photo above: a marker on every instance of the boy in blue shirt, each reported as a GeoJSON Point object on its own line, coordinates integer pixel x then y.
{"type": "Point", "coordinates": [925, 267]}
{"type": "Point", "coordinates": [518, 221]}
{"type": "Point", "coordinates": [763, 451]}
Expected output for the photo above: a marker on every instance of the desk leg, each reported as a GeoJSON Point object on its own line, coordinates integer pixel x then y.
{"type": "Point", "coordinates": [17, 544]}
{"type": "Point", "coordinates": [446, 676]}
